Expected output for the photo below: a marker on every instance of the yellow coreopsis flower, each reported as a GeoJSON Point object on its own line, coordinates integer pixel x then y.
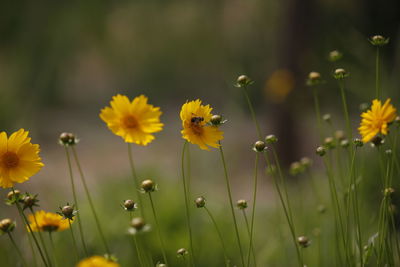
{"type": "Point", "coordinates": [47, 222]}
{"type": "Point", "coordinates": [376, 119]}
{"type": "Point", "coordinates": [19, 158]}
{"type": "Point", "coordinates": [196, 125]}
{"type": "Point", "coordinates": [134, 121]}
{"type": "Point", "coordinates": [97, 261]}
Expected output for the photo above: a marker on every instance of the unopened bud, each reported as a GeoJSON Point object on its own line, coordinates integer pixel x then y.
{"type": "Point", "coordinates": [182, 252]}
{"type": "Point", "coordinates": [321, 151]}
{"type": "Point", "coordinates": [335, 55]}
{"type": "Point", "coordinates": [259, 146]}
{"type": "Point", "coordinates": [67, 139]}
{"type": "Point", "coordinates": [7, 225]}
{"type": "Point", "coordinates": [129, 205]}
{"type": "Point", "coordinates": [241, 204]}
{"type": "Point", "coordinates": [137, 223]}
{"type": "Point", "coordinates": [216, 120]}
{"type": "Point", "coordinates": [243, 81]}
{"type": "Point", "coordinates": [14, 195]}
{"type": "Point", "coordinates": [344, 143]}
{"type": "Point", "coordinates": [303, 241]}
{"type": "Point", "coordinates": [148, 186]}
{"type": "Point", "coordinates": [271, 139]}
{"type": "Point", "coordinates": [68, 211]}
{"type": "Point", "coordinates": [327, 117]}
{"type": "Point", "coordinates": [200, 202]}
{"type": "Point", "coordinates": [358, 142]}
{"type": "Point", "coordinates": [340, 74]}
{"type": "Point", "coordinates": [314, 78]}
{"type": "Point", "coordinates": [379, 40]}
{"type": "Point", "coordinates": [329, 143]}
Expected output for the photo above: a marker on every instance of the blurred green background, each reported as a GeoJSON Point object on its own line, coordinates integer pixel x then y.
{"type": "Point", "coordinates": [61, 62]}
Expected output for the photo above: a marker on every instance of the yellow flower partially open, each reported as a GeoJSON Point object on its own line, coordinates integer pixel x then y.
{"type": "Point", "coordinates": [47, 222]}
{"type": "Point", "coordinates": [196, 128]}
{"type": "Point", "coordinates": [19, 158]}
{"type": "Point", "coordinates": [375, 120]}
{"type": "Point", "coordinates": [97, 261]}
{"type": "Point", "coordinates": [134, 121]}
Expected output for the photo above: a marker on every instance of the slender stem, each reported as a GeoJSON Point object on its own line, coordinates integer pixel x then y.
{"type": "Point", "coordinates": [158, 229]}
{"type": "Point", "coordinates": [22, 214]}
{"type": "Point", "coordinates": [318, 112]}
{"type": "Point", "coordinates": [17, 249]}
{"type": "Point", "coordinates": [251, 247]}
{"type": "Point", "coordinates": [228, 187]}
{"type": "Point", "coordinates": [73, 238]}
{"type": "Point", "coordinates": [53, 249]}
{"type": "Point", "coordinates": [135, 180]}
{"type": "Point", "coordinates": [79, 218]}
{"type": "Point", "coordinates": [219, 235]}
{"type": "Point", "coordinates": [32, 250]}
{"type": "Point", "coordinates": [41, 237]}
{"type": "Point", "coordinates": [345, 109]}
{"type": "Point", "coordinates": [253, 114]}
{"type": "Point", "coordinates": [90, 200]}
{"type": "Point", "coordinates": [377, 85]}
{"type": "Point", "coordinates": [185, 191]}
{"type": "Point", "coordinates": [138, 251]}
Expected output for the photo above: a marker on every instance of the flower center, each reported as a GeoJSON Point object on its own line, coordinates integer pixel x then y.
{"type": "Point", "coordinates": [50, 228]}
{"type": "Point", "coordinates": [130, 122]}
{"type": "Point", "coordinates": [378, 123]}
{"type": "Point", "coordinates": [10, 160]}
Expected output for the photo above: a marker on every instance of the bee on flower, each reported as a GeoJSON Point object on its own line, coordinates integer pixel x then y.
{"type": "Point", "coordinates": [135, 121]}
{"type": "Point", "coordinates": [376, 120]}
{"type": "Point", "coordinates": [197, 125]}
{"type": "Point", "coordinates": [43, 221]}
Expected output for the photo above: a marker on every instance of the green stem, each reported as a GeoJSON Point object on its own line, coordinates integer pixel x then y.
{"type": "Point", "coordinates": [32, 250]}
{"type": "Point", "coordinates": [251, 247]}
{"type": "Point", "coordinates": [318, 113]}
{"type": "Point", "coordinates": [185, 191]}
{"type": "Point", "coordinates": [17, 249]}
{"type": "Point", "coordinates": [41, 237]}
{"type": "Point", "coordinates": [138, 251]}
{"type": "Point", "coordinates": [377, 85]}
{"type": "Point", "coordinates": [219, 235]}
{"type": "Point", "coordinates": [135, 180]}
{"type": "Point", "coordinates": [79, 218]}
{"type": "Point", "coordinates": [25, 220]}
{"type": "Point", "coordinates": [73, 239]}
{"type": "Point", "coordinates": [90, 200]}
{"type": "Point", "coordinates": [253, 114]}
{"type": "Point", "coordinates": [158, 230]}
{"type": "Point", "coordinates": [345, 110]}
{"type": "Point", "coordinates": [53, 249]}
{"type": "Point", "coordinates": [228, 188]}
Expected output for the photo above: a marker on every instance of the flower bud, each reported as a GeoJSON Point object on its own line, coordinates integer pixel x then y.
{"type": "Point", "coordinates": [314, 78]}
{"type": "Point", "coordinates": [200, 202]}
{"type": "Point", "coordinates": [296, 168]}
{"type": "Point", "coordinates": [182, 252]}
{"type": "Point", "coordinates": [388, 191]}
{"type": "Point", "coordinates": [216, 120]}
{"type": "Point", "coordinates": [271, 139]}
{"type": "Point", "coordinates": [358, 142]}
{"type": "Point", "coordinates": [339, 135]}
{"type": "Point", "coordinates": [67, 139]}
{"type": "Point", "coordinates": [329, 143]}
{"type": "Point", "coordinates": [379, 40]}
{"type": "Point", "coordinates": [303, 241]}
{"type": "Point", "coordinates": [306, 162]}
{"type": "Point", "coordinates": [29, 201]}
{"type": "Point", "coordinates": [340, 74]}
{"type": "Point", "coordinates": [327, 117]}
{"type": "Point", "coordinates": [397, 121]}
{"type": "Point", "coordinates": [335, 55]}
{"type": "Point", "coordinates": [148, 186]}
{"type": "Point", "coordinates": [241, 204]}
{"type": "Point", "coordinates": [137, 223]}
{"type": "Point", "coordinates": [14, 195]}
{"type": "Point", "coordinates": [243, 81]}
{"type": "Point", "coordinates": [68, 211]}
{"type": "Point", "coordinates": [161, 265]}
{"type": "Point", "coordinates": [344, 143]}
{"type": "Point", "coordinates": [7, 225]}
{"type": "Point", "coordinates": [129, 205]}
{"type": "Point", "coordinates": [259, 146]}
{"type": "Point", "coordinates": [321, 151]}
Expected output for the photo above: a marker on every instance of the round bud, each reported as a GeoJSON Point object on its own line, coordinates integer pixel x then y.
{"type": "Point", "coordinates": [329, 143]}
{"type": "Point", "coordinates": [388, 191]}
{"type": "Point", "coordinates": [216, 120]}
{"type": "Point", "coordinates": [306, 162]}
{"type": "Point", "coordinates": [13, 194]}
{"type": "Point", "coordinates": [67, 139]}
{"type": "Point", "coordinates": [67, 211]}
{"type": "Point", "coordinates": [200, 202]}
{"type": "Point", "coordinates": [303, 241]}
{"type": "Point", "coordinates": [314, 75]}
{"type": "Point", "coordinates": [379, 40]}
{"type": "Point", "coordinates": [148, 186]}
{"type": "Point", "coordinates": [6, 225]}
{"type": "Point", "coordinates": [335, 55]}
{"type": "Point", "coordinates": [339, 135]}
{"type": "Point", "coordinates": [358, 142]}
{"type": "Point", "coordinates": [243, 80]}
{"type": "Point", "coordinates": [321, 151]}
{"type": "Point", "coordinates": [344, 143]}
{"type": "Point", "coordinates": [259, 146]}
{"type": "Point", "coordinates": [340, 74]}
{"type": "Point", "coordinates": [271, 139]}
{"type": "Point", "coordinates": [296, 168]}
{"type": "Point", "coordinates": [327, 117]}
{"type": "Point", "coordinates": [29, 201]}
{"type": "Point", "coordinates": [137, 223]}
{"type": "Point", "coordinates": [181, 252]}
{"type": "Point", "coordinates": [129, 204]}
{"type": "Point", "coordinates": [241, 204]}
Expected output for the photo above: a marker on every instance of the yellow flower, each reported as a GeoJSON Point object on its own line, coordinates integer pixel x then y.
{"type": "Point", "coordinates": [196, 128]}
{"type": "Point", "coordinates": [134, 121]}
{"type": "Point", "coordinates": [19, 158]}
{"type": "Point", "coordinates": [97, 261]}
{"type": "Point", "coordinates": [47, 222]}
{"type": "Point", "coordinates": [376, 120]}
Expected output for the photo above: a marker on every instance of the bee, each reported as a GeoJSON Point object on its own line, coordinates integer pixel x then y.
{"type": "Point", "coordinates": [197, 120]}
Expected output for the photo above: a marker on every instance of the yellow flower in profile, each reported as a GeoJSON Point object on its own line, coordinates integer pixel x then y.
{"type": "Point", "coordinates": [47, 222]}
{"type": "Point", "coordinates": [376, 120]}
{"type": "Point", "coordinates": [134, 121]}
{"type": "Point", "coordinates": [19, 158]}
{"type": "Point", "coordinates": [97, 261]}
{"type": "Point", "coordinates": [196, 125]}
